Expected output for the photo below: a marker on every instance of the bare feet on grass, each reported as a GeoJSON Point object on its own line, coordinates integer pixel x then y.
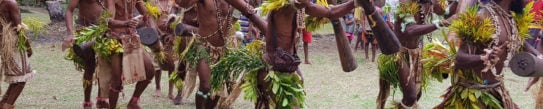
{"type": "Point", "coordinates": [134, 104]}
{"type": "Point", "coordinates": [157, 93]}
{"type": "Point", "coordinates": [307, 62]}
{"type": "Point", "coordinates": [102, 104]}
{"type": "Point", "coordinates": [178, 100]}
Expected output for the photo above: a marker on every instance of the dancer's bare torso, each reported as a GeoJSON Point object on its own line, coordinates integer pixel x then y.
{"type": "Point", "coordinates": [124, 12]}
{"type": "Point", "coordinates": [209, 22]}
{"type": "Point", "coordinates": [505, 29]}
{"type": "Point", "coordinates": [89, 10]}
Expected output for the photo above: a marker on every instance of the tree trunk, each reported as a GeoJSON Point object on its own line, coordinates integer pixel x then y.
{"type": "Point", "coordinates": [56, 14]}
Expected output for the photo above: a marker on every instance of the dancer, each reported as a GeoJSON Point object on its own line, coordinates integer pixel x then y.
{"type": "Point", "coordinates": [404, 68]}
{"type": "Point", "coordinates": [167, 13]}
{"type": "Point", "coordinates": [89, 12]}
{"type": "Point", "coordinates": [480, 58]}
{"type": "Point", "coordinates": [15, 51]}
{"type": "Point", "coordinates": [214, 19]}
{"type": "Point", "coordinates": [307, 39]}
{"type": "Point", "coordinates": [131, 64]}
{"type": "Point", "coordinates": [285, 27]}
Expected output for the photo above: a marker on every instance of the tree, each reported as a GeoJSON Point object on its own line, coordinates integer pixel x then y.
{"type": "Point", "coordinates": [56, 13]}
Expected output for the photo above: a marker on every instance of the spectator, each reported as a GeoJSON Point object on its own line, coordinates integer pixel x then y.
{"type": "Point", "coordinates": [359, 16]}
{"type": "Point", "coordinates": [349, 25]}
{"type": "Point", "coordinates": [307, 38]}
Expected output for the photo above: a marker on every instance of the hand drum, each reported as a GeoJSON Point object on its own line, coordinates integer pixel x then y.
{"type": "Point", "coordinates": [526, 65]}
{"type": "Point", "coordinates": [148, 36]}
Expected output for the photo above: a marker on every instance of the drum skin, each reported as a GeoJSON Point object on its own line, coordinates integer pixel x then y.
{"type": "Point", "coordinates": [148, 36]}
{"type": "Point", "coordinates": [526, 65]}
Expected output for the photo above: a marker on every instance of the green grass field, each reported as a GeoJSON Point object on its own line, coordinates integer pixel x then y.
{"type": "Point", "coordinates": [58, 85]}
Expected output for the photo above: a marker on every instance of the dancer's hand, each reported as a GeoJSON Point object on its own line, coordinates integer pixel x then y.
{"type": "Point", "coordinates": [29, 52]}
{"type": "Point", "coordinates": [496, 53]}
{"type": "Point", "coordinates": [132, 23]}
{"type": "Point", "coordinates": [500, 50]}
{"type": "Point", "coordinates": [68, 42]}
{"type": "Point", "coordinates": [445, 23]}
{"type": "Point", "coordinates": [531, 82]}
{"type": "Point", "coordinates": [169, 39]}
{"type": "Point", "coordinates": [486, 57]}
{"type": "Point", "coordinates": [367, 5]}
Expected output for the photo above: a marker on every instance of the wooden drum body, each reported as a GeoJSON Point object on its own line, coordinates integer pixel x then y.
{"type": "Point", "coordinates": [526, 65]}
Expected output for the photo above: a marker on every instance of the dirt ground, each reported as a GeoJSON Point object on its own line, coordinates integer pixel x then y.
{"type": "Point", "coordinates": [59, 85]}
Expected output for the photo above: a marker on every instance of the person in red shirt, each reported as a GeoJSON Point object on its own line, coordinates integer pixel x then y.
{"type": "Point", "coordinates": [307, 38]}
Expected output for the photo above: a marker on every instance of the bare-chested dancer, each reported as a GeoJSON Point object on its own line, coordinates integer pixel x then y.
{"type": "Point", "coordinates": [190, 25]}
{"type": "Point", "coordinates": [535, 41]}
{"type": "Point", "coordinates": [89, 12]}
{"type": "Point", "coordinates": [167, 8]}
{"type": "Point", "coordinates": [168, 34]}
{"type": "Point", "coordinates": [409, 27]}
{"type": "Point", "coordinates": [285, 25]}
{"type": "Point", "coordinates": [15, 67]}
{"type": "Point", "coordinates": [214, 20]}
{"type": "Point", "coordinates": [482, 67]}
{"type": "Point", "coordinates": [122, 28]}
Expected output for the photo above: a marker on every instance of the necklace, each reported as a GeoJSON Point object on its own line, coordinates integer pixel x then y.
{"type": "Point", "coordinates": [497, 12]}
{"type": "Point", "coordinates": [101, 2]}
{"type": "Point", "coordinates": [223, 20]}
{"type": "Point", "coordinates": [300, 24]}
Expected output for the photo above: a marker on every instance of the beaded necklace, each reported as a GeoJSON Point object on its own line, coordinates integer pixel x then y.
{"type": "Point", "coordinates": [496, 12]}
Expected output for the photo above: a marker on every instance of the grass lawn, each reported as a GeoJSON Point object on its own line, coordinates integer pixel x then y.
{"type": "Point", "coordinates": [58, 85]}
{"type": "Point", "coordinates": [326, 29]}
{"type": "Point", "coordinates": [38, 13]}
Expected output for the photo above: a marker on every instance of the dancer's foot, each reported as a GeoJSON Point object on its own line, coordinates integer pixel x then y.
{"type": "Point", "coordinates": [178, 99]}
{"type": "Point", "coordinates": [7, 106]}
{"type": "Point", "coordinates": [87, 105]}
{"type": "Point", "coordinates": [171, 96]}
{"type": "Point", "coordinates": [134, 104]}
{"type": "Point", "coordinates": [402, 106]}
{"type": "Point", "coordinates": [307, 62]}
{"type": "Point", "coordinates": [157, 93]}
{"type": "Point", "coordinates": [102, 103]}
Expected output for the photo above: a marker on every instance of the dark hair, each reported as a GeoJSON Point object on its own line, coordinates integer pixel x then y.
{"type": "Point", "coordinates": [517, 6]}
{"type": "Point", "coordinates": [424, 1]}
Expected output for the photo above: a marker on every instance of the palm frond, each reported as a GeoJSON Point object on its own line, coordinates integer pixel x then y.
{"type": "Point", "coordinates": [235, 63]}
{"type": "Point", "coordinates": [34, 25]}
{"type": "Point", "coordinates": [388, 69]}
{"type": "Point", "coordinates": [272, 5]}
{"type": "Point", "coordinates": [469, 27]}
{"type": "Point", "coordinates": [523, 22]}
{"type": "Point", "coordinates": [408, 9]}
{"type": "Point", "coordinates": [153, 10]}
